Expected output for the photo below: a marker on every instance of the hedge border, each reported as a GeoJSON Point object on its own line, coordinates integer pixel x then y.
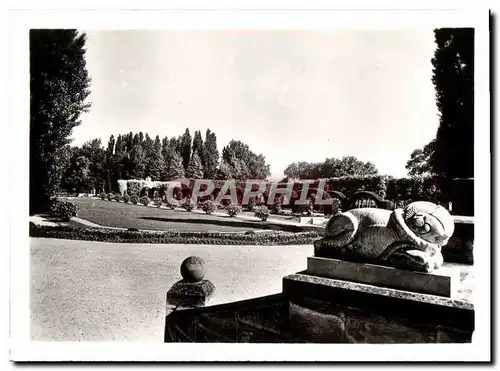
{"type": "Point", "coordinates": [174, 237]}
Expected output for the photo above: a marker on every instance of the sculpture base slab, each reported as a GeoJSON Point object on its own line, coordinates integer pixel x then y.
{"type": "Point", "coordinates": [442, 282]}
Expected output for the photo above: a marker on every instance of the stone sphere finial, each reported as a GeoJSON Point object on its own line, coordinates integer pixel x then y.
{"type": "Point", "coordinates": [193, 269]}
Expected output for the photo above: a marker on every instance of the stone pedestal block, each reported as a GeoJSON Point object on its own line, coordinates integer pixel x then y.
{"type": "Point", "coordinates": [190, 294]}
{"type": "Point", "coordinates": [442, 282]}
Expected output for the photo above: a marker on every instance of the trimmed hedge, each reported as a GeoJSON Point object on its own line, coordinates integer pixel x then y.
{"type": "Point", "coordinates": [174, 237]}
{"type": "Point", "coordinates": [430, 188]}
{"type": "Point", "coordinates": [349, 185]}
{"type": "Point", "coordinates": [418, 188]}
{"type": "Point", "coordinates": [134, 187]}
{"type": "Point", "coordinates": [122, 186]}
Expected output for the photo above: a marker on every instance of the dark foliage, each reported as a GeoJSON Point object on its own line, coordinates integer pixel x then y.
{"type": "Point", "coordinates": [63, 210]}
{"type": "Point", "coordinates": [454, 82]}
{"type": "Point", "coordinates": [59, 87]}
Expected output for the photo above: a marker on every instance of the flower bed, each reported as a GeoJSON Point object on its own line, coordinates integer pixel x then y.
{"type": "Point", "coordinates": [174, 237]}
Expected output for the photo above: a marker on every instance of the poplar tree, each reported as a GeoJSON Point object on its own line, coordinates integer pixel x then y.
{"type": "Point", "coordinates": [59, 87]}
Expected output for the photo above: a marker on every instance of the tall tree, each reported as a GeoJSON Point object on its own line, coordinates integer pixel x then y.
{"type": "Point", "coordinates": [256, 167]}
{"type": "Point", "coordinates": [96, 155]}
{"type": "Point", "coordinates": [453, 78]}
{"type": "Point", "coordinates": [210, 155]}
{"type": "Point", "coordinates": [136, 141]}
{"type": "Point", "coordinates": [236, 149]}
{"type": "Point", "coordinates": [198, 145]}
{"type": "Point", "coordinates": [59, 87]}
{"type": "Point", "coordinates": [195, 168]}
{"type": "Point", "coordinates": [156, 164]}
{"type": "Point", "coordinates": [331, 168]}
{"type": "Point", "coordinates": [301, 169]}
{"type": "Point", "coordinates": [78, 174]}
{"type": "Point", "coordinates": [347, 166]}
{"type": "Point", "coordinates": [164, 146]}
{"type": "Point", "coordinates": [147, 146]}
{"type": "Point", "coordinates": [110, 164]}
{"type": "Point", "coordinates": [138, 162]}
{"type": "Point", "coordinates": [224, 170]}
{"type": "Point", "coordinates": [174, 144]}
{"type": "Point", "coordinates": [130, 141]}
{"type": "Point", "coordinates": [186, 148]}
{"type": "Point", "coordinates": [175, 170]}
{"type": "Point", "coordinates": [421, 160]}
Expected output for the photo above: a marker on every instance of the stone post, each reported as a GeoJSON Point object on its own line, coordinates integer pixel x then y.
{"type": "Point", "coordinates": [193, 291]}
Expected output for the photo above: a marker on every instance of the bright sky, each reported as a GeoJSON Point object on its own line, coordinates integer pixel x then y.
{"type": "Point", "coordinates": [291, 95]}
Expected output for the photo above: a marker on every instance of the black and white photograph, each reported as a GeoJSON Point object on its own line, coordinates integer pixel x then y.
{"type": "Point", "coordinates": [190, 183]}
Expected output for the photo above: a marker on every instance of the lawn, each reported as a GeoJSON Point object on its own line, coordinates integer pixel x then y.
{"type": "Point", "coordinates": [122, 215]}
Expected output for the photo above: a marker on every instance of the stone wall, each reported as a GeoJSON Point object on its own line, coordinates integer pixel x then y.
{"type": "Point", "coordinates": [324, 310]}
{"type": "Point", "coordinates": [320, 322]}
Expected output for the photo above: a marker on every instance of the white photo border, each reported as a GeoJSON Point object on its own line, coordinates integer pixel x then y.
{"type": "Point", "coordinates": [23, 349]}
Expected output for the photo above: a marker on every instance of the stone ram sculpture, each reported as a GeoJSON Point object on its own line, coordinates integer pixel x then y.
{"type": "Point", "coordinates": [409, 238]}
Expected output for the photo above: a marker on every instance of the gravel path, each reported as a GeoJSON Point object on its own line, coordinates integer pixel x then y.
{"type": "Point", "coordinates": [83, 291]}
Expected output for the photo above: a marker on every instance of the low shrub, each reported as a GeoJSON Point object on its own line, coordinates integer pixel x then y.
{"type": "Point", "coordinates": [134, 199]}
{"type": "Point", "coordinates": [171, 204]}
{"type": "Point", "coordinates": [252, 203]}
{"type": "Point", "coordinates": [145, 200]}
{"type": "Point", "coordinates": [262, 212]}
{"type": "Point", "coordinates": [154, 193]}
{"type": "Point", "coordinates": [188, 204]}
{"type": "Point", "coordinates": [110, 196]}
{"type": "Point", "coordinates": [233, 209]}
{"type": "Point", "coordinates": [117, 197]}
{"type": "Point", "coordinates": [158, 202]}
{"type": "Point", "coordinates": [63, 210]}
{"type": "Point", "coordinates": [278, 203]}
{"type": "Point", "coordinates": [144, 191]}
{"type": "Point", "coordinates": [103, 195]}
{"type": "Point", "coordinates": [126, 198]}
{"type": "Point", "coordinates": [134, 235]}
{"type": "Point", "coordinates": [209, 207]}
